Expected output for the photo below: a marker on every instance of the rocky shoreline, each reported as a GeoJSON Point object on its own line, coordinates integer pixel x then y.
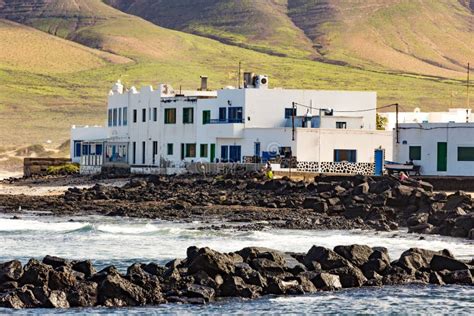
{"type": "Point", "coordinates": [359, 203]}
{"type": "Point", "coordinates": [206, 275]}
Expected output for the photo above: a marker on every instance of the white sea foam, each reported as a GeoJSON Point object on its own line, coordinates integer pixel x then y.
{"type": "Point", "coordinates": [13, 225]}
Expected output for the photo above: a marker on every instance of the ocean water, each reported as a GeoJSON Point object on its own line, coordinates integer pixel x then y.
{"type": "Point", "coordinates": [121, 242]}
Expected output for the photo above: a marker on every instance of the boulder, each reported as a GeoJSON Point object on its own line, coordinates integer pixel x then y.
{"type": "Point", "coordinates": [458, 199]}
{"type": "Point", "coordinates": [85, 267]}
{"type": "Point", "coordinates": [115, 287]}
{"type": "Point", "coordinates": [8, 286]}
{"type": "Point", "coordinates": [306, 285]}
{"type": "Point", "coordinates": [356, 254]}
{"type": "Point", "coordinates": [350, 276]}
{"type": "Point", "coordinates": [10, 271]}
{"type": "Point", "coordinates": [354, 211]}
{"type": "Point", "coordinates": [278, 286]}
{"type": "Point", "coordinates": [200, 291]}
{"type": "Point", "coordinates": [235, 286]}
{"type": "Point", "coordinates": [35, 273]}
{"type": "Point", "coordinates": [61, 279]}
{"type": "Point", "coordinates": [310, 202]}
{"type": "Point", "coordinates": [416, 258]}
{"type": "Point", "coordinates": [361, 189]}
{"type": "Point", "coordinates": [11, 300]}
{"type": "Point", "coordinates": [435, 278]}
{"type": "Point", "coordinates": [27, 297]}
{"type": "Point", "coordinates": [211, 262]}
{"type": "Point", "coordinates": [424, 228]}
{"type": "Point", "coordinates": [148, 282]}
{"type": "Point", "coordinates": [55, 262]}
{"type": "Point", "coordinates": [439, 263]}
{"type": "Point", "coordinates": [267, 267]}
{"type": "Point", "coordinates": [58, 299]}
{"type": "Point", "coordinates": [459, 277]}
{"type": "Point", "coordinates": [250, 253]}
{"type": "Point", "coordinates": [326, 257]}
{"type": "Point", "coordinates": [83, 294]}
{"type": "Point", "coordinates": [249, 275]}
{"type": "Point", "coordinates": [327, 281]}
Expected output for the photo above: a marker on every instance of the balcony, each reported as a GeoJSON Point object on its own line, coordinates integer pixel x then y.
{"type": "Point", "coordinates": [228, 121]}
{"type": "Point", "coordinates": [230, 128]}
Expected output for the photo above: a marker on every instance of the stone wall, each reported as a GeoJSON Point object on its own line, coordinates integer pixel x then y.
{"type": "Point", "coordinates": [39, 166]}
{"type": "Point", "coordinates": [365, 168]}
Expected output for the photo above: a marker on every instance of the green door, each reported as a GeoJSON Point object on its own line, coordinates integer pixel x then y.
{"type": "Point", "coordinates": [213, 152]}
{"type": "Point", "coordinates": [442, 157]}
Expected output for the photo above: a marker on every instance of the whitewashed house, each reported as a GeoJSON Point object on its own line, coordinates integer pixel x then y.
{"type": "Point", "coordinates": [443, 149]}
{"type": "Point", "coordinates": [163, 130]}
{"type": "Point", "coordinates": [454, 115]}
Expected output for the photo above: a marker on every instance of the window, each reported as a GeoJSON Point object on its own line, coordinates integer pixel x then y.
{"type": "Point", "coordinates": [110, 118]}
{"type": "Point", "coordinates": [155, 114]}
{"type": "Point", "coordinates": [115, 117]}
{"type": "Point", "coordinates": [119, 116]}
{"type": "Point", "coordinates": [188, 115]}
{"type": "Point", "coordinates": [206, 117]}
{"type": "Point", "coordinates": [235, 115]}
{"type": "Point", "coordinates": [414, 153]}
{"type": "Point", "coordinates": [224, 153]}
{"type": "Point", "coordinates": [98, 150]}
{"type": "Point", "coordinates": [341, 125]}
{"type": "Point", "coordinates": [257, 149]}
{"type": "Point", "coordinates": [169, 149]}
{"type": "Point", "coordinates": [124, 116]}
{"type": "Point", "coordinates": [86, 150]}
{"type": "Point", "coordinates": [289, 112]}
{"type": "Point", "coordinates": [345, 155]}
{"type": "Point", "coordinates": [77, 148]}
{"type": "Point", "coordinates": [465, 153]}
{"type": "Point", "coordinates": [190, 151]}
{"type": "Point", "coordinates": [134, 151]}
{"type": "Point", "coordinates": [203, 151]}
{"type": "Point", "coordinates": [222, 114]}
{"type": "Point", "coordinates": [134, 116]}
{"type": "Point", "coordinates": [155, 151]}
{"type": "Point", "coordinates": [143, 152]}
{"type": "Point", "coordinates": [143, 115]}
{"type": "Point", "coordinates": [170, 116]}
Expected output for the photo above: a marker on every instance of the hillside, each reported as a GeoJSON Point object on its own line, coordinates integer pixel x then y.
{"type": "Point", "coordinates": [50, 83]}
{"type": "Point", "coordinates": [259, 25]}
{"type": "Point", "coordinates": [430, 37]}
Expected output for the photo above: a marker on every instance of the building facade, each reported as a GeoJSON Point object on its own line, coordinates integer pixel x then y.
{"type": "Point", "coordinates": [442, 149]}
{"type": "Point", "coordinates": [163, 130]}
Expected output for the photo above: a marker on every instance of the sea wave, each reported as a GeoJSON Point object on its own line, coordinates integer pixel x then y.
{"type": "Point", "coordinates": [14, 225]}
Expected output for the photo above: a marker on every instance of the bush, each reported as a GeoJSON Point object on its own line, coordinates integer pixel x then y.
{"type": "Point", "coordinates": [69, 168]}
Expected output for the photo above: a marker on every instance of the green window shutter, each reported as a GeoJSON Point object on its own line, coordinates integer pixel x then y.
{"type": "Point", "coordinates": [414, 153]}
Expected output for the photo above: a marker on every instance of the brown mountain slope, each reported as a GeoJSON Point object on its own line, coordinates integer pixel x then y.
{"type": "Point", "coordinates": [430, 37]}
{"type": "Point", "coordinates": [259, 25]}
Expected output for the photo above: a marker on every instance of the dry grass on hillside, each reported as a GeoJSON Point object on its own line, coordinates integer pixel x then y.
{"type": "Point", "coordinates": [45, 53]}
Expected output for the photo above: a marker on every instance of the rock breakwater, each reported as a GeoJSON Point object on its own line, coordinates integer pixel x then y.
{"type": "Point", "coordinates": [206, 275]}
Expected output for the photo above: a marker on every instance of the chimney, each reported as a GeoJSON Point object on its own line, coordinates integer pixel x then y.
{"type": "Point", "coordinates": [248, 79]}
{"type": "Point", "coordinates": [203, 83]}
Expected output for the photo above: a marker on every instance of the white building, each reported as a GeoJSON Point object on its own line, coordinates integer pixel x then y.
{"type": "Point", "coordinates": [439, 148]}
{"type": "Point", "coordinates": [162, 130]}
{"type": "Point", "coordinates": [457, 115]}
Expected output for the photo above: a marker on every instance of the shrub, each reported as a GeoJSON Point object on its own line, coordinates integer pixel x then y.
{"type": "Point", "coordinates": [65, 169]}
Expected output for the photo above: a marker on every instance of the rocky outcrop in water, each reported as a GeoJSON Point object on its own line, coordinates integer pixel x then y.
{"type": "Point", "coordinates": [205, 275]}
{"type": "Point", "coordinates": [355, 202]}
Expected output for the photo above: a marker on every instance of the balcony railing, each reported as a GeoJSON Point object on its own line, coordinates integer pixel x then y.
{"type": "Point", "coordinates": [227, 121]}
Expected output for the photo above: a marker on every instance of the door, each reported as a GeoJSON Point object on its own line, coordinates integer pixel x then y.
{"type": "Point", "coordinates": [182, 151]}
{"type": "Point", "coordinates": [213, 152]}
{"type": "Point", "coordinates": [379, 160]}
{"type": "Point", "coordinates": [234, 153]}
{"type": "Point", "coordinates": [442, 164]}
{"type": "Point", "coordinates": [257, 149]}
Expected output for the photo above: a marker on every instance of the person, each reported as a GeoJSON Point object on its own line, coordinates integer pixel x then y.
{"type": "Point", "coordinates": [268, 171]}
{"type": "Point", "coordinates": [403, 176]}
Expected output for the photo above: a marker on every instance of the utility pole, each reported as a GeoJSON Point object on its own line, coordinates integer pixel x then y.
{"type": "Point", "coordinates": [467, 85]}
{"type": "Point", "coordinates": [238, 76]}
{"type": "Point", "coordinates": [397, 130]}
{"type": "Point", "coordinates": [293, 120]}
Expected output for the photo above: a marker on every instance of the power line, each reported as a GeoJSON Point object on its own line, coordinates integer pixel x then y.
{"type": "Point", "coordinates": [349, 111]}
